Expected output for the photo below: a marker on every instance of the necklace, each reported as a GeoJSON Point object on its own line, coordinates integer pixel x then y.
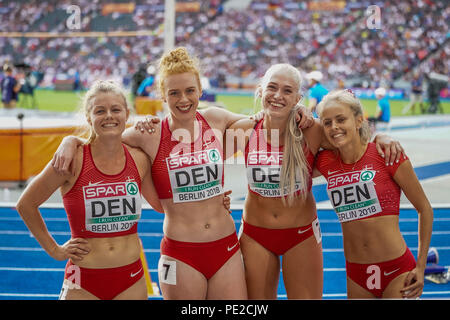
{"type": "Point", "coordinates": [359, 157]}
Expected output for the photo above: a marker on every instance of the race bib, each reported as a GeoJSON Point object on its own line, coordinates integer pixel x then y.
{"type": "Point", "coordinates": [353, 195]}
{"type": "Point", "coordinates": [263, 174]}
{"type": "Point", "coordinates": [112, 207]}
{"type": "Point", "coordinates": [195, 176]}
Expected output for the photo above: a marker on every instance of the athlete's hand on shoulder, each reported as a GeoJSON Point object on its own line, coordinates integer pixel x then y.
{"type": "Point", "coordinates": [74, 249]}
{"type": "Point", "coordinates": [148, 125]}
{"type": "Point", "coordinates": [304, 118]}
{"type": "Point", "coordinates": [227, 200]}
{"type": "Point", "coordinates": [389, 149]}
{"type": "Point", "coordinates": [62, 160]}
{"type": "Point", "coordinates": [258, 116]}
{"type": "Point", "coordinates": [413, 285]}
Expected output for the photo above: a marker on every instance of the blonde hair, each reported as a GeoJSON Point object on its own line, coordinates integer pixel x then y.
{"type": "Point", "coordinates": [174, 62]}
{"type": "Point", "coordinates": [347, 98]}
{"type": "Point", "coordinates": [294, 164]}
{"type": "Point", "coordinates": [294, 159]}
{"type": "Point", "coordinates": [99, 86]}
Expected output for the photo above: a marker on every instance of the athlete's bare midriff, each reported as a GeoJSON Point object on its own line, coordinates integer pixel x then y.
{"type": "Point", "coordinates": [373, 240]}
{"type": "Point", "coordinates": [111, 252]}
{"type": "Point", "coordinates": [197, 221]}
{"type": "Point", "coordinates": [270, 212]}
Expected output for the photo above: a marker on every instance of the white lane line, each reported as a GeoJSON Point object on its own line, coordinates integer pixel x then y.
{"type": "Point", "coordinates": [160, 235]}
{"type": "Point", "coordinates": [158, 250]}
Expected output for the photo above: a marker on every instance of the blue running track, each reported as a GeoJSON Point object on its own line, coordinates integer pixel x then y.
{"type": "Point", "coordinates": [27, 272]}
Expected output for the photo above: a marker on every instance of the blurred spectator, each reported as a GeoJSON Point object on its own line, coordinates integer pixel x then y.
{"type": "Point", "coordinates": [316, 90]}
{"type": "Point", "coordinates": [383, 111]}
{"type": "Point", "coordinates": [10, 87]}
{"type": "Point", "coordinates": [145, 88]}
{"type": "Point", "coordinates": [137, 79]}
{"type": "Point", "coordinates": [415, 95]}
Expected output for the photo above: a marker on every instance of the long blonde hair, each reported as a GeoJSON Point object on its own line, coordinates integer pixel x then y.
{"type": "Point", "coordinates": [295, 166]}
{"type": "Point", "coordinates": [347, 98]}
{"type": "Point", "coordinates": [99, 86]}
{"type": "Point", "coordinates": [174, 62]}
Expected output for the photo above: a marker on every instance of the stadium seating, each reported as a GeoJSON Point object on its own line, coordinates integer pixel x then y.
{"type": "Point", "coordinates": [242, 42]}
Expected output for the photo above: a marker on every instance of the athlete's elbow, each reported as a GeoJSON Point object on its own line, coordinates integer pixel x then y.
{"type": "Point", "coordinates": [21, 207]}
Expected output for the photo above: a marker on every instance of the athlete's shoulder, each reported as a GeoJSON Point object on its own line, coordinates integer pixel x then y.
{"type": "Point", "coordinates": [372, 154]}
{"type": "Point", "coordinates": [326, 155]}
{"type": "Point", "coordinates": [325, 160]}
{"type": "Point", "coordinates": [212, 113]}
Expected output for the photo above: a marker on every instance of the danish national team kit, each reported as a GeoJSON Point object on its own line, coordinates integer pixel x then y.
{"type": "Point", "coordinates": [189, 172]}
{"type": "Point", "coordinates": [363, 190]}
{"type": "Point", "coordinates": [103, 206]}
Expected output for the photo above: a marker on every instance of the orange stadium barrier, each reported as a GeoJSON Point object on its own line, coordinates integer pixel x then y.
{"type": "Point", "coordinates": [145, 105]}
{"type": "Point", "coordinates": [24, 156]}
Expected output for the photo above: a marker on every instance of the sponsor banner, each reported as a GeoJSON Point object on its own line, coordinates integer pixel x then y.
{"type": "Point", "coordinates": [393, 94]}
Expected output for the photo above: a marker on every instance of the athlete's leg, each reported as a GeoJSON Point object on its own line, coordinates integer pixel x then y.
{"type": "Point", "coordinates": [70, 291]}
{"type": "Point", "coordinates": [180, 281]}
{"type": "Point", "coordinates": [392, 290]}
{"type": "Point", "coordinates": [138, 291]}
{"type": "Point", "coordinates": [303, 270]}
{"type": "Point", "coordinates": [229, 281]}
{"type": "Point", "coordinates": [355, 291]}
{"type": "Point", "coordinates": [262, 269]}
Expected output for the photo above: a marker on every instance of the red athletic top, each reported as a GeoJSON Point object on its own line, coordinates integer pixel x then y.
{"type": "Point", "coordinates": [263, 162]}
{"type": "Point", "coordinates": [363, 189]}
{"type": "Point", "coordinates": [188, 172]}
{"type": "Point", "coordinates": [101, 205]}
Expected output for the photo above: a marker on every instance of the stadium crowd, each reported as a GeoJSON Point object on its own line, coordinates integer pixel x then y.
{"type": "Point", "coordinates": [242, 42]}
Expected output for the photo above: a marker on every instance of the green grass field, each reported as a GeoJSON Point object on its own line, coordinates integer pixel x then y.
{"type": "Point", "coordinates": [68, 101]}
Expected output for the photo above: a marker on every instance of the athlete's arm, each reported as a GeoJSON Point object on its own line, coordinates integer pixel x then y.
{"type": "Point", "coordinates": [149, 192]}
{"type": "Point", "coordinates": [410, 185]}
{"type": "Point", "coordinates": [64, 155]}
{"type": "Point", "coordinates": [36, 193]}
{"type": "Point", "coordinates": [316, 173]}
{"type": "Point", "coordinates": [388, 148]}
{"type": "Point", "coordinates": [227, 200]}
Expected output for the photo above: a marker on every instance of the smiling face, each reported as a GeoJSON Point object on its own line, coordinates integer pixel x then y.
{"type": "Point", "coordinates": [182, 94]}
{"type": "Point", "coordinates": [280, 94]}
{"type": "Point", "coordinates": [108, 114]}
{"type": "Point", "coordinates": [340, 125]}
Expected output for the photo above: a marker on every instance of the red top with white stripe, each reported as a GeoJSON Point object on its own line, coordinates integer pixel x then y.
{"type": "Point", "coordinates": [188, 172]}
{"type": "Point", "coordinates": [101, 205]}
{"type": "Point", "coordinates": [263, 164]}
{"type": "Point", "coordinates": [363, 189]}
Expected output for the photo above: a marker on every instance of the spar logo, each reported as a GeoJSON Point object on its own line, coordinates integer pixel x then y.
{"type": "Point", "coordinates": [367, 175]}
{"type": "Point", "coordinates": [265, 158]}
{"type": "Point", "coordinates": [350, 178]}
{"type": "Point", "coordinates": [193, 159]}
{"type": "Point", "coordinates": [110, 190]}
{"type": "Point", "coordinates": [213, 155]}
{"type": "Point", "coordinates": [132, 189]}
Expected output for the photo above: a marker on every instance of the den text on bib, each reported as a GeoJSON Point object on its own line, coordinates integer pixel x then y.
{"type": "Point", "coordinates": [112, 207]}
{"type": "Point", "coordinates": [195, 176]}
{"type": "Point", "coordinates": [263, 174]}
{"type": "Point", "coordinates": [353, 195]}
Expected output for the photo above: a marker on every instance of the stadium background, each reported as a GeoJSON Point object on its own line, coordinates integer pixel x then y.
{"type": "Point", "coordinates": [69, 44]}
